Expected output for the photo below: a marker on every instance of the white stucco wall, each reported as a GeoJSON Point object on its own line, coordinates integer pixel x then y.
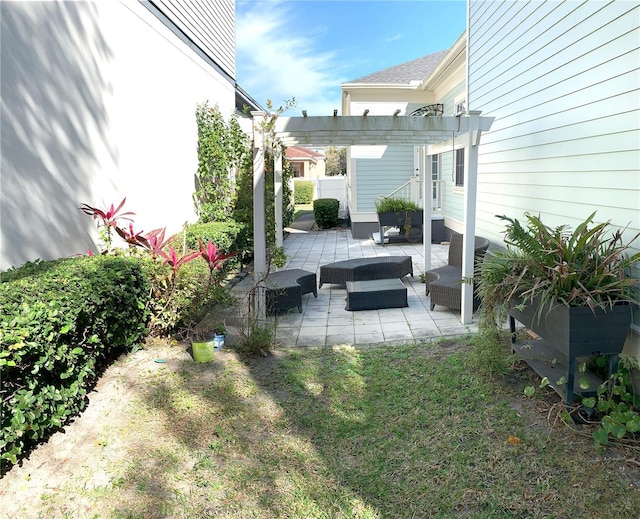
{"type": "Point", "coordinates": [98, 103]}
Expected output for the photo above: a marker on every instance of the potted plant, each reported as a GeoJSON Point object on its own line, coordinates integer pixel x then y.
{"type": "Point", "coordinates": [219, 335]}
{"type": "Point", "coordinates": [551, 267]}
{"type": "Point", "coordinates": [202, 344]}
{"type": "Point", "coordinates": [402, 213]}
{"type": "Point", "coordinates": [572, 288]}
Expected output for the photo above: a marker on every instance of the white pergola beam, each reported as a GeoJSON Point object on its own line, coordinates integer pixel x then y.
{"type": "Point", "coordinates": [348, 130]}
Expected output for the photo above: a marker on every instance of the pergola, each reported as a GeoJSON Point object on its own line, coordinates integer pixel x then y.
{"type": "Point", "coordinates": [370, 130]}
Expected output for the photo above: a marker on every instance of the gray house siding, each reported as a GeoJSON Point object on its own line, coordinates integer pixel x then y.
{"type": "Point", "coordinates": [209, 24]}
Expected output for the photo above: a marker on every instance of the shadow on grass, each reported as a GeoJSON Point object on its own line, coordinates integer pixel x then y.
{"type": "Point", "coordinates": [389, 432]}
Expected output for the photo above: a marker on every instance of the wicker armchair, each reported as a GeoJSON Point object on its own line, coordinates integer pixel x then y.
{"type": "Point", "coordinates": [444, 284]}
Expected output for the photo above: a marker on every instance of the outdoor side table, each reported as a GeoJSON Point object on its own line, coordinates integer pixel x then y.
{"type": "Point", "coordinates": [379, 293]}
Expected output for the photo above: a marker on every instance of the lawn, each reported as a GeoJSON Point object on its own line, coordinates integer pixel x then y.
{"type": "Point", "coordinates": [396, 432]}
{"type": "Point", "coordinates": [300, 209]}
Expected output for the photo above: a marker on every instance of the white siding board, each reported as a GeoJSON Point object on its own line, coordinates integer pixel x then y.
{"type": "Point", "coordinates": [587, 85]}
{"type": "Point", "coordinates": [485, 47]}
{"type": "Point", "coordinates": [599, 144]}
{"type": "Point", "coordinates": [569, 133]}
{"type": "Point", "coordinates": [602, 162]}
{"type": "Point", "coordinates": [561, 64]}
{"type": "Point", "coordinates": [544, 39]}
{"type": "Point", "coordinates": [619, 198]}
{"type": "Point", "coordinates": [596, 179]}
{"type": "Point", "coordinates": [562, 80]}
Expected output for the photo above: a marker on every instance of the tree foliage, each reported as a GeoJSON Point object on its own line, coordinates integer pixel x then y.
{"type": "Point", "coordinates": [336, 161]}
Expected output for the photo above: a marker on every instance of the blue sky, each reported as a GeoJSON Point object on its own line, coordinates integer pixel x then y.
{"type": "Point", "coordinates": [304, 49]}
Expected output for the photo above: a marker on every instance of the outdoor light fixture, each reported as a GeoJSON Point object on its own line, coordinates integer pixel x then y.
{"type": "Point", "coordinates": [304, 113]}
{"type": "Point", "coordinates": [427, 110]}
{"type": "Point", "coordinates": [366, 112]}
{"type": "Point", "coordinates": [396, 113]}
{"type": "Point", "coordinates": [335, 113]}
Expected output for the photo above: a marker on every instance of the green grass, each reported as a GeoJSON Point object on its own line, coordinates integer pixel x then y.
{"type": "Point", "coordinates": [301, 209]}
{"type": "Point", "coordinates": [396, 432]}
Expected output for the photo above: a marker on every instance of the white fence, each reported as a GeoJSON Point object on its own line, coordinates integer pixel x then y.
{"type": "Point", "coordinates": [331, 187]}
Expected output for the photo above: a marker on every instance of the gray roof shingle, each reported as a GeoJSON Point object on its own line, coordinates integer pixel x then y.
{"type": "Point", "coordinates": [415, 70]}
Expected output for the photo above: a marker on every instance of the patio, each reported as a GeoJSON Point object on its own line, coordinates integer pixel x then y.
{"type": "Point", "coordinates": [325, 322]}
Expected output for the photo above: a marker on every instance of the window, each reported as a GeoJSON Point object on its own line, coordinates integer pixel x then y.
{"type": "Point", "coordinates": [459, 105]}
{"type": "Point", "coordinates": [297, 169]}
{"type": "Point", "coordinates": [459, 167]}
{"type": "Point", "coordinates": [436, 193]}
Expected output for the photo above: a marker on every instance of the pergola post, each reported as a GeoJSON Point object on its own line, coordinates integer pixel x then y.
{"type": "Point", "coordinates": [426, 208]}
{"type": "Point", "coordinates": [259, 235]}
{"type": "Point", "coordinates": [277, 189]}
{"type": "Point", "coordinates": [469, 215]}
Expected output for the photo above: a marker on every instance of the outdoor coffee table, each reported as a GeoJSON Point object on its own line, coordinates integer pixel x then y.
{"type": "Point", "coordinates": [379, 293]}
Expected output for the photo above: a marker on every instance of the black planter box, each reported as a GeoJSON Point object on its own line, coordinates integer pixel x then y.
{"type": "Point", "coordinates": [399, 218]}
{"type": "Point", "coordinates": [576, 331]}
{"type": "Point", "coordinates": [569, 334]}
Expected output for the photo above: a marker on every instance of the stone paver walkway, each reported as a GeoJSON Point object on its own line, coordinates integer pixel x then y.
{"type": "Point", "coordinates": [325, 322]}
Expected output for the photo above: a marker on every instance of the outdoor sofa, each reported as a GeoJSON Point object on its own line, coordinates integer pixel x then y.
{"type": "Point", "coordinates": [444, 284]}
{"type": "Point", "coordinates": [366, 269]}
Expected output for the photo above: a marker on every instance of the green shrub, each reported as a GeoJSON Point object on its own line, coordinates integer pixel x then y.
{"type": "Point", "coordinates": [303, 191]}
{"type": "Point", "coordinates": [393, 204]}
{"type": "Point", "coordinates": [61, 323]}
{"type": "Point", "coordinates": [325, 212]}
{"type": "Point", "coordinates": [180, 306]}
{"type": "Point", "coordinates": [229, 236]}
{"type": "Point", "coordinates": [243, 211]}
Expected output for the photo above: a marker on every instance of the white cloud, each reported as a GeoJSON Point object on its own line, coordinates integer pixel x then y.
{"type": "Point", "coordinates": [395, 37]}
{"type": "Point", "coordinates": [278, 59]}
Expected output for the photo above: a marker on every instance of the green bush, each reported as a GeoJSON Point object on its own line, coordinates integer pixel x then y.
{"type": "Point", "coordinates": [393, 204]}
{"type": "Point", "coordinates": [325, 212]}
{"type": "Point", "coordinates": [229, 236]}
{"type": "Point", "coordinates": [180, 306]}
{"type": "Point", "coordinates": [243, 212]}
{"type": "Point", "coordinates": [303, 191]}
{"type": "Point", "coordinates": [61, 323]}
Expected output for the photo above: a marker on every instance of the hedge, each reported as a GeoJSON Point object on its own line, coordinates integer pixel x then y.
{"type": "Point", "coordinates": [303, 191]}
{"type": "Point", "coordinates": [325, 212]}
{"type": "Point", "coordinates": [228, 236]}
{"type": "Point", "coordinates": [61, 323]}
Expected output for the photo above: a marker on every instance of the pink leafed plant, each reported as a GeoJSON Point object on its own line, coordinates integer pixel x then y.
{"type": "Point", "coordinates": [212, 256]}
{"type": "Point", "coordinates": [110, 216]}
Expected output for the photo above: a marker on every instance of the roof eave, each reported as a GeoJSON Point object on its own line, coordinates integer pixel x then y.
{"type": "Point", "coordinates": [454, 52]}
{"type": "Point", "coordinates": [414, 85]}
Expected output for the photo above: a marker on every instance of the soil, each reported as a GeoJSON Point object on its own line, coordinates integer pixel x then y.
{"type": "Point", "coordinates": [98, 435]}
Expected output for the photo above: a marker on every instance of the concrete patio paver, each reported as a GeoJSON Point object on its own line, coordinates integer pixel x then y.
{"type": "Point", "coordinates": [324, 320]}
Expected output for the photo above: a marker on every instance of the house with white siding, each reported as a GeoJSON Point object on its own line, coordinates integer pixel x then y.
{"type": "Point", "coordinates": [98, 103]}
{"type": "Point", "coordinates": [376, 171]}
{"type": "Point", "coordinates": [562, 80]}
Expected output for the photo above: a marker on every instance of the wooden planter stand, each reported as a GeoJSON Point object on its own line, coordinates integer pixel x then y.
{"type": "Point", "coordinates": [568, 335]}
